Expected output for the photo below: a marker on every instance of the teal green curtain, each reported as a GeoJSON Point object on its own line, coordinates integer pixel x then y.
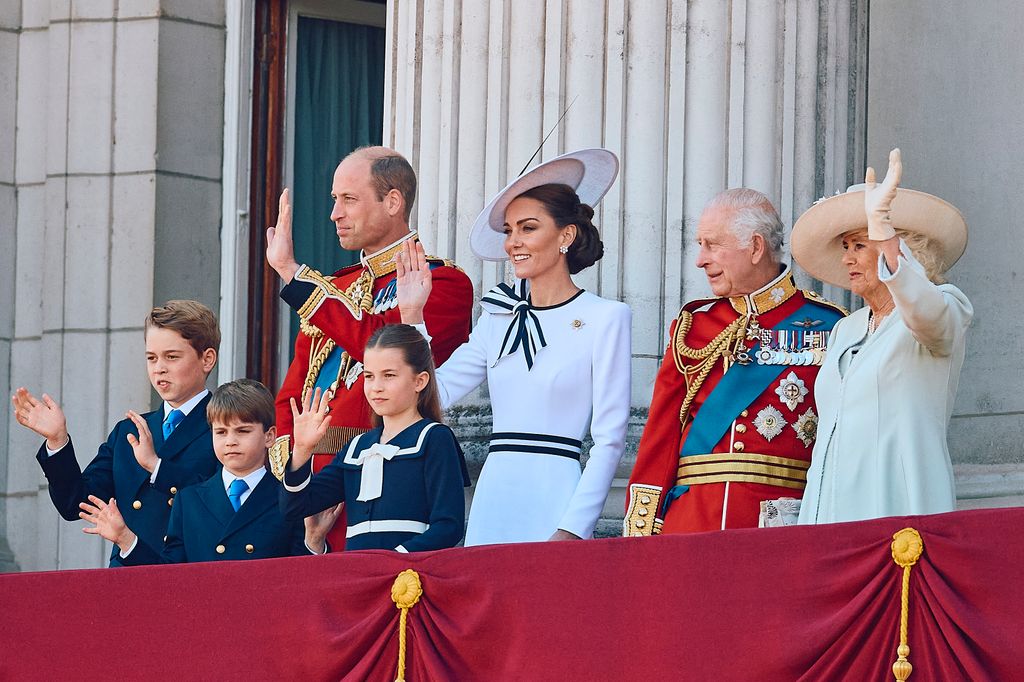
{"type": "Point", "coordinates": [339, 105]}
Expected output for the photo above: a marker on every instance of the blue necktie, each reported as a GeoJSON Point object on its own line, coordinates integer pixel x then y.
{"type": "Point", "coordinates": [235, 490]}
{"type": "Point", "coordinates": [174, 418]}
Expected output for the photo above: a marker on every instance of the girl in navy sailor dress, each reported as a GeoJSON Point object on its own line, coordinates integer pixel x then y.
{"type": "Point", "coordinates": [402, 482]}
{"type": "Point", "coordinates": [553, 371]}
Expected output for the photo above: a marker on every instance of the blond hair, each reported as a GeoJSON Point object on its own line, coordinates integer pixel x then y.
{"type": "Point", "coordinates": [925, 253]}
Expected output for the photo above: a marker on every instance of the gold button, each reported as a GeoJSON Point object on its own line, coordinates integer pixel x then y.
{"type": "Point", "coordinates": [743, 413]}
{"type": "Point", "coordinates": [640, 523]}
{"type": "Point", "coordinates": [221, 549]}
{"type": "Point", "coordinates": [738, 446]}
{"type": "Point", "coordinates": [643, 512]}
{"type": "Point", "coordinates": [136, 505]}
{"type": "Point", "coordinates": [249, 549]}
{"type": "Point", "coordinates": [741, 428]}
{"type": "Point", "coordinates": [165, 538]}
{"type": "Point", "coordinates": [645, 500]}
{"type": "Point", "coordinates": [174, 491]}
{"type": "Point", "coordinates": [170, 501]}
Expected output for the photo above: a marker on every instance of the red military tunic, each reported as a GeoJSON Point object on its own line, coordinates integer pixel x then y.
{"type": "Point", "coordinates": [769, 427]}
{"type": "Point", "coordinates": [338, 315]}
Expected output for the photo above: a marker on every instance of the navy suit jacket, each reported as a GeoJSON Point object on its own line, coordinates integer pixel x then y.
{"type": "Point", "coordinates": [205, 527]}
{"type": "Point", "coordinates": [423, 483]}
{"type": "Point", "coordinates": [186, 458]}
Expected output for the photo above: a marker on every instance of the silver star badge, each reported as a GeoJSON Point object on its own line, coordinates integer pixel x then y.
{"type": "Point", "coordinates": [769, 422]}
{"type": "Point", "coordinates": [791, 390]}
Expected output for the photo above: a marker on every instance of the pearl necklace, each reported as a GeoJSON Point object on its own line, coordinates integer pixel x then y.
{"type": "Point", "coordinates": [875, 320]}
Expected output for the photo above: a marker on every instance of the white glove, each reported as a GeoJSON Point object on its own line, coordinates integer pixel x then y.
{"type": "Point", "coordinates": [878, 198]}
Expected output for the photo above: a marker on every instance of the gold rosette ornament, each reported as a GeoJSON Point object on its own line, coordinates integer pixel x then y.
{"type": "Point", "coordinates": [406, 593]}
{"type": "Point", "coordinates": [907, 548]}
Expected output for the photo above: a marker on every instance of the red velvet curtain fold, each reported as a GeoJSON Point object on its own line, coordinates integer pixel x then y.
{"type": "Point", "coordinates": [773, 604]}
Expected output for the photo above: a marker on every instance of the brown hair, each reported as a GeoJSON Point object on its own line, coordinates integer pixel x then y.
{"type": "Point", "coordinates": [563, 205]}
{"type": "Point", "coordinates": [389, 170]}
{"type": "Point", "coordinates": [194, 321]}
{"type": "Point", "coordinates": [416, 353]}
{"type": "Point", "coordinates": [244, 400]}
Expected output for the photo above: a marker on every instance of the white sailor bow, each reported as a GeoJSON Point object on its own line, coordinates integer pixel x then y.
{"type": "Point", "coordinates": [371, 479]}
{"type": "Point", "coordinates": [524, 328]}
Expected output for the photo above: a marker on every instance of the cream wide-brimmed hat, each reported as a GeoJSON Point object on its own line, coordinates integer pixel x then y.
{"type": "Point", "coordinates": [590, 172]}
{"type": "Point", "coordinates": [817, 237]}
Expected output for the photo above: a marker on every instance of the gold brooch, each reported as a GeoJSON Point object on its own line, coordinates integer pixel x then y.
{"type": "Point", "coordinates": [576, 324]}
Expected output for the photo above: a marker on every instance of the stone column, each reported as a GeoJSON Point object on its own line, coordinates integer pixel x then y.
{"type": "Point", "coordinates": [112, 184]}
{"type": "Point", "coordinates": [693, 96]}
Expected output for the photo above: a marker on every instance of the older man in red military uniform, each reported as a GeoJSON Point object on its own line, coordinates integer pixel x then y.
{"type": "Point", "coordinates": [732, 422]}
{"type": "Point", "coordinates": [373, 192]}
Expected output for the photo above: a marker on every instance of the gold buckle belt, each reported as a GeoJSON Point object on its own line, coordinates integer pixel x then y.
{"type": "Point", "coordinates": [336, 438]}
{"type": "Point", "coordinates": [743, 467]}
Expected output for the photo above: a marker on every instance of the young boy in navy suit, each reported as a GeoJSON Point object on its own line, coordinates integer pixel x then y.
{"type": "Point", "coordinates": [148, 458]}
{"type": "Point", "coordinates": [234, 514]}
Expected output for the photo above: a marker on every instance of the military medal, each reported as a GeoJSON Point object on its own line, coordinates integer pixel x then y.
{"type": "Point", "coordinates": [769, 422]}
{"type": "Point", "coordinates": [791, 390]}
{"type": "Point", "coordinates": [806, 427]}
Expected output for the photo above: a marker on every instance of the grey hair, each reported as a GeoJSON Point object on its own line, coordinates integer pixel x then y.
{"type": "Point", "coordinates": [753, 213]}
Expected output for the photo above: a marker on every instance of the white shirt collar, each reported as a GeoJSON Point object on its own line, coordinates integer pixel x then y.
{"type": "Point", "coordinates": [188, 405]}
{"type": "Point", "coordinates": [252, 480]}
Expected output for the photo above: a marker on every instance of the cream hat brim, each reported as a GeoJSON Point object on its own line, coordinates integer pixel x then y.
{"type": "Point", "coordinates": [817, 237]}
{"type": "Point", "coordinates": [590, 172]}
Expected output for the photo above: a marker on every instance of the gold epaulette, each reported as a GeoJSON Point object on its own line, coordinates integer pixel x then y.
{"type": "Point", "coordinates": [821, 300]}
{"type": "Point", "coordinates": [446, 262]}
{"type": "Point", "coordinates": [641, 515]}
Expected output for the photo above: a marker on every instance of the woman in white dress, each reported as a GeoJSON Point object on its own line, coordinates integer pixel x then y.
{"type": "Point", "coordinates": [556, 358]}
{"type": "Point", "coordinates": [886, 390]}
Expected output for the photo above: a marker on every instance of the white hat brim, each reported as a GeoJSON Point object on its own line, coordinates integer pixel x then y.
{"type": "Point", "coordinates": [817, 238]}
{"type": "Point", "coordinates": [590, 172]}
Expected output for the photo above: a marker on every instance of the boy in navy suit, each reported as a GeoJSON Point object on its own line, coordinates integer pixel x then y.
{"type": "Point", "coordinates": [148, 458]}
{"type": "Point", "coordinates": [234, 514]}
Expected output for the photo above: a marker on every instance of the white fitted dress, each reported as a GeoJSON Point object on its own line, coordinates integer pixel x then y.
{"type": "Point", "coordinates": [531, 484]}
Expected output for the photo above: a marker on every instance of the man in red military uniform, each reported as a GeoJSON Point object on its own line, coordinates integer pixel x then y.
{"type": "Point", "coordinates": [732, 421]}
{"type": "Point", "coordinates": [373, 192]}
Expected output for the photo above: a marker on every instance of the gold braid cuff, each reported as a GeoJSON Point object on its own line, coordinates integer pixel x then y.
{"type": "Point", "coordinates": [331, 443]}
{"type": "Point", "coordinates": [278, 455]}
{"type": "Point", "coordinates": [641, 514]}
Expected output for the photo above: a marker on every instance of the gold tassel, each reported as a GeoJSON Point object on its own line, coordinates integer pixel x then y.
{"type": "Point", "coordinates": [405, 593]}
{"type": "Point", "coordinates": [907, 547]}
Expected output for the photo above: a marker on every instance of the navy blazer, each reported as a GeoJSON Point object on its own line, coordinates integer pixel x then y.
{"type": "Point", "coordinates": [422, 488]}
{"type": "Point", "coordinates": [205, 527]}
{"type": "Point", "coordinates": [186, 458]}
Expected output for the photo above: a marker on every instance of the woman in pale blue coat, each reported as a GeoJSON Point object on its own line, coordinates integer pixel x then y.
{"type": "Point", "coordinates": [886, 390]}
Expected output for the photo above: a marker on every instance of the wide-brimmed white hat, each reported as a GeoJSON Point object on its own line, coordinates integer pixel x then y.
{"type": "Point", "coordinates": [588, 171]}
{"type": "Point", "coordinates": [817, 236]}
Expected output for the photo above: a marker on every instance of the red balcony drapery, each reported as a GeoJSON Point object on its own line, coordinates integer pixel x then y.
{"type": "Point", "coordinates": [770, 604]}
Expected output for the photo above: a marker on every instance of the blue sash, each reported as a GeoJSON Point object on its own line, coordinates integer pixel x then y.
{"type": "Point", "coordinates": [329, 370]}
{"type": "Point", "coordinates": [740, 386]}
{"type": "Point", "coordinates": [736, 390]}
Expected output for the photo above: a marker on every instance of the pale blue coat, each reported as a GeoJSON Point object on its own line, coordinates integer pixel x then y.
{"type": "Point", "coordinates": [881, 448]}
